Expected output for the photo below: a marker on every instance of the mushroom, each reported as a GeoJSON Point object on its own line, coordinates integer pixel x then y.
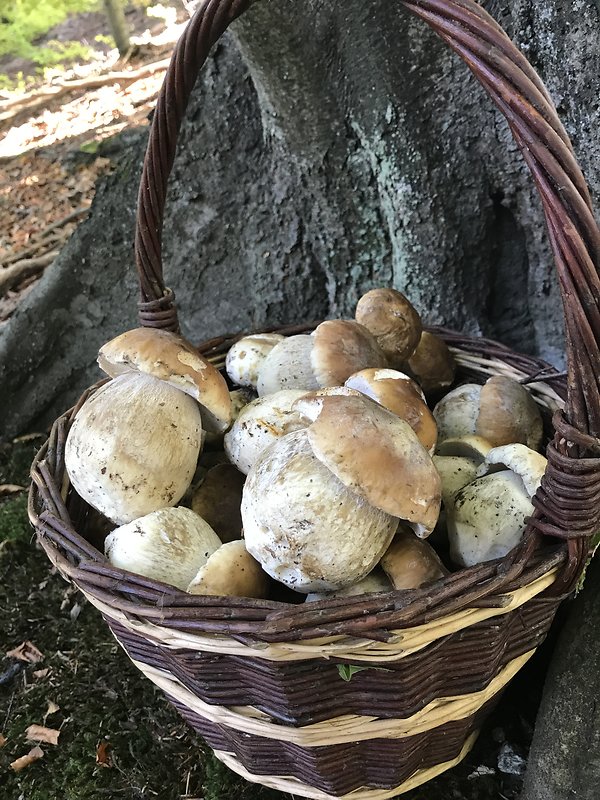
{"type": "Point", "coordinates": [133, 447]}
{"type": "Point", "coordinates": [245, 357]}
{"type": "Point", "coordinates": [217, 500]}
{"type": "Point", "coordinates": [456, 413]}
{"type": "Point", "coordinates": [376, 581]}
{"type": "Point", "coordinates": [432, 364]}
{"type": "Point", "coordinates": [169, 545]}
{"type": "Point", "coordinates": [230, 571]}
{"type": "Point", "coordinates": [393, 321]}
{"type": "Point", "coordinates": [400, 395]}
{"type": "Point", "coordinates": [375, 454]}
{"type": "Point", "coordinates": [508, 414]}
{"type": "Point", "coordinates": [473, 447]}
{"type": "Point", "coordinates": [529, 465]}
{"type": "Point", "coordinates": [410, 562]}
{"type": "Point", "coordinates": [170, 358]}
{"type": "Point", "coordinates": [239, 400]}
{"type": "Point", "coordinates": [336, 349]}
{"type": "Point", "coordinates": [304, 526]}
{"type": "Point", "coordinates": [259, 424]}
{"type": "Point", "coordinates": [456, 472]}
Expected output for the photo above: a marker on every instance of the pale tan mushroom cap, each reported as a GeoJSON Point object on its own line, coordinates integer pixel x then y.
{"type": "Point", "coordinates": [410, 562]}
{"type": "Point", "coordinates": [217, 500]}
{"type": "Point", "coordinates": [377, 455]}
{"type": "Point", "coordinates": [376, 581]}
{"type": "Point", "coordinates": [169, 545]}
{"type": "Point", "coordinates": [172, 359]}
{"type": "Point", "coordinates": [393, 321]}
{"type": "Point", "coordinates": [133, 447]}
{"type": "Point", "coordinates": [246, 356]}
{"type": "Point", "coordinates": [306, 529]}
{"type": "Point", "coordinates": [529, 465]}
{"type": "Point", "coordinates": [456, 413]}
{"type": "Point", "coordinates": [231, 572]}
{"type": "Point", "coordinates": [341, 348]}
{"type": "Point", "coordinates": [432, 364]}
{"type": "Point", "coordinates": [473, 447]}
{"type": "Point", "coordinates": [400, 395]}
{"type": "Point", "coordinates": [508, 414]}
{"type": "Point", "coordinates": [288, 366]}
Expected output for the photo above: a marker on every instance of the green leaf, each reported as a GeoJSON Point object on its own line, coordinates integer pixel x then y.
{"type": "Point", "coordinates": [348, 670]}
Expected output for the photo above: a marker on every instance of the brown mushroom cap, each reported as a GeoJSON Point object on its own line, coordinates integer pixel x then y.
{"type": "Point", "coordinates": [410, 562]}
{"type": "Point", "coordinates": [341, 348]}
{"type": "Point", "coordinates": [231, 571]}
{"type": "Point", "coordinates": [217, 500]}
{"type": "Point", "coordinates": [172, 359]}
{"type": "Point", "coordinates": [376, 455]}
{"type": "Point", "coordinates": [432, 364]}
{"type": "Point", "coordinates": [508, 414]}
{"type": "Point", "coordinates": [400, 395]}
{"type": "Point", "coordinates": [393, 321]}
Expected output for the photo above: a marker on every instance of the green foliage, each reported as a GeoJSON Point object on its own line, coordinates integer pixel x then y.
{"type": "Point", "coordinates": [348, 670]}
{"type": "Point", "coordinates": [24, 20]}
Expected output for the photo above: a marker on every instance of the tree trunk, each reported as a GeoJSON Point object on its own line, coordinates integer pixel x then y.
{"type": "Point", "coordinates": [329, 147]}
{"type": "Point", "coordinates": [118, 25]}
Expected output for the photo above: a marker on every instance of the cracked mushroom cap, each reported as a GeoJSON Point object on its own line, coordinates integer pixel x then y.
{"type": "Point", "coordinates": [246, 356]}
{"type": "Point", "coordinates": [170, 358]}
{"type": "Point", "coordinates": [529, 465]}
{"type": "Point", "coordinates": [508, 414]}
{"type": "Point", "coordinates": [410, 562]}
{"type": "Point", "coordinates": [393, 321]}
{"type": "Point", "coordinates": [377, 455]}
{"type": "Point", "coordinates": [400, 395]}
{"type": "Point", "coordinates": [432, 364]}
{"type": "Point", "coordinates": [341, 348]}
{"type": "Point", "coordinates": [169, 545]}
{"type": "Point", "coordinates": [231, 572]}
{"type": "Point", "coordinates": [133, 447]}
{"type": "Point", "coordinates": [304, 526]}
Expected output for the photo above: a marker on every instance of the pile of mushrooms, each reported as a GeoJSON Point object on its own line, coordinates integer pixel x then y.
{"type": "Point", "coordinates": [321, 463]}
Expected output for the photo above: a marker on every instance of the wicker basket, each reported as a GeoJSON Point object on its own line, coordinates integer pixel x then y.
{"type": "Point", "coordinates": [261, 680]}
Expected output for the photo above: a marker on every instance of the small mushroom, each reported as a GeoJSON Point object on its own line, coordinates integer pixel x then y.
{"type": "Point", "coordinates": [376, 581]}
{"type": "Point", "coordinates": [393, 321]}
{"type": "Point", "coordinates": [259, 424]}
{"type": "Point", "coordinates": [245, 357]}
{"type": "Point", "coordinates": [336, 349]}
{"type": "Point", "coordinates": [508, 414]}
{"type": "Point", "coordinates": [170, 358]}
{"type": "Point", "coordinates": [524, 462]}
{"type": "Point", "coordinates": [410, 562]}
{"type": "Point", "coordinates": [400, 395]}
{"type": "Point", "coordinates": [217, 500]}
{"type": "Point", "coordinates": [456, 413]}
{"type": "Point", "coordinates": [304, 526]}
{"type": "Point", "coordinates": [133, 447]}
{"type": "Point", "coordinates": [432, 364]}
{"type": "Point", "coordinates": [375, 454]}
{"type": "Point", "coordinates": [169, 545]}
{"type": "Point", "coordinates": [230, 572]}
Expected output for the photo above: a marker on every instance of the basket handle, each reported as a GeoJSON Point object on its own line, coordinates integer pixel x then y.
{"type": "Point", "coordinates": [519, 93]}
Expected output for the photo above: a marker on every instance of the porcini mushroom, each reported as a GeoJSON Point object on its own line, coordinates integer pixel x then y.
{"type": "Point", "coordinates": [474, 447]}
{"type": "Point", "coordinates": [245, 357]}
{"type": "Point", "coordinates": [456, 413]}
{"type": "Point", "coordinates": [402, 396]}
{"type": "Point", "coordinates": [410, 562]}
{"type": "Point", "coordinates": [393, 321]}
{"type": "Point", "coordinates": [217, 500]}
{"type": "Point", "coordinates": [259, 424]}
{"type": "Point", "coordinates": [304, 526]}
{"type": "Point", "coordinates": [432, 364]}
{"type": "Point", "coordinates": [230, 571]}
{"type": "Point", "coordinates": [133, 447]}
{"type": "Point", "coordinates": [529, 465]}
{"type": "Point", "coordinates": [376, 581]}
{"type": "Point", "coordinates": [170, 358]}
{"type": "Point", "coordinates": [169, 545]}
{"type": "Point", "coordinates": [508, 414]}
{"type": "Point", "coordinates": [456, 472]}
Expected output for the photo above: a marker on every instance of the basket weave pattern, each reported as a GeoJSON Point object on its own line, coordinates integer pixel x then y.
{"type": "Point", "coordinates": [259, 679]}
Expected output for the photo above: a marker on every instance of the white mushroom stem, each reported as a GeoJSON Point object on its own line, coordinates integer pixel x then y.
{"type": "Point", "coordinates": [169, 545]}
{"type": "Point", "coordinates": [456, 472]}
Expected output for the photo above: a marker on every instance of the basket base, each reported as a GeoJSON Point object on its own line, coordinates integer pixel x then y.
{"type": "Point", "coordinates": [296, 787]}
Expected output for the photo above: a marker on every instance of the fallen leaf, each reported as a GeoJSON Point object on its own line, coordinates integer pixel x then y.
{"type": "Point", "coordinates": [38, 733]}
{"type": "Point", "coordinates": [52, 708]}
{"type": "Point", "coordinates": [26, 652]}
{"type": "Point", "coordinates": [41, 673]}
{"type": "Point", "coordinates": [102, 754]}
{"type": "Point", "coordinates": [33, 755]}
{"type": "Point", "coordinates": [10, 488]}
{"type": "Point", "coordinates": [2, 740]}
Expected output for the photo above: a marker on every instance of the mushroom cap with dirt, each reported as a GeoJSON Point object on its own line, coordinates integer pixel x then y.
{"type": "Point", "coordinates": [393, 321]}
{"type": "Point", "coordinates": [133, 447]}
{"type": "Point", "coordinates": [304, 526]}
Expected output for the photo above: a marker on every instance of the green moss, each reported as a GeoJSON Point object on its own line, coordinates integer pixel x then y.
{"type": "Point", "coordinates": [14, 525]}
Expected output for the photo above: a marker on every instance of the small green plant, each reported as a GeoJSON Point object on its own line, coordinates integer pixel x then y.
{"type": "Point", "coordinates": [348, 670]}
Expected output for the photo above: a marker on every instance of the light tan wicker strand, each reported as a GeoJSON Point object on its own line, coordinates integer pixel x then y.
{"type": "Point", "coordinates": [295, 787]}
